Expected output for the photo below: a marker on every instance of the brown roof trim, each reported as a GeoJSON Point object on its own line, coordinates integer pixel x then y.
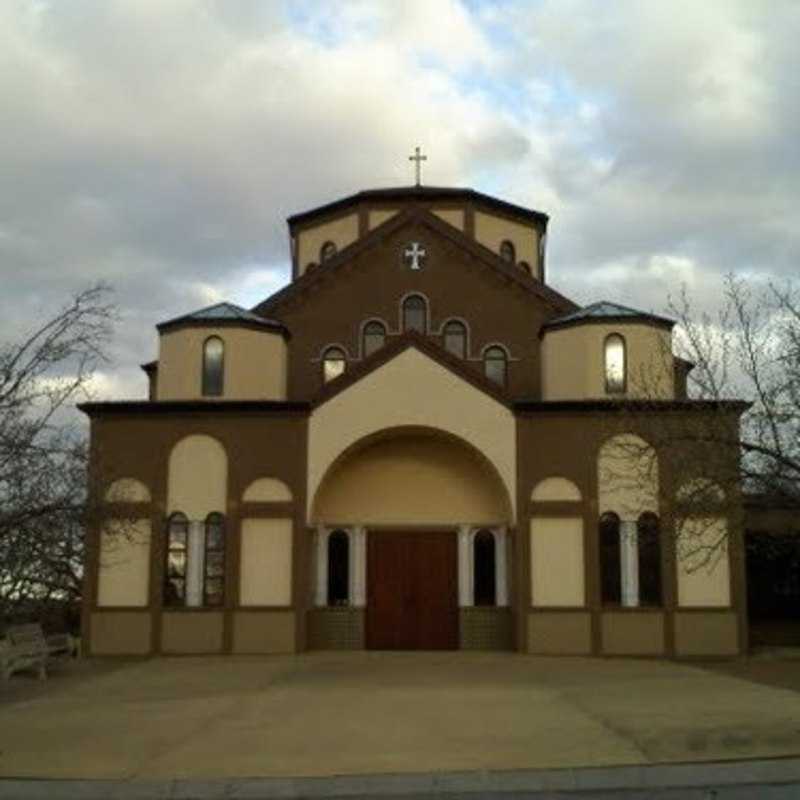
{"type": "Point", "coordinates": [166, 407]}
{"type": "Point", "coordinates": [399, 345]}
{"type": "Point", "coordinates": [639, 319]}
{"type": "Point", "coordinates": [268, 326]}
{"type": "Point", "coordinates": [557, 301]}
{"type": "Point", "coordinates": [656, 406]}
{"type": "Point", "coordinates": [150, 367]}
{"type": "Point", "coordinates": [419, 193]}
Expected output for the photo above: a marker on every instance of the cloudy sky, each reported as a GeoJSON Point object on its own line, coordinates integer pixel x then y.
{"type": "Point", "coordinates": [159, 145]}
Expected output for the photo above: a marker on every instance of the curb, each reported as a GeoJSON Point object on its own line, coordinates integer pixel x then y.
{"type": "Point", "coordinates": [711, 777]}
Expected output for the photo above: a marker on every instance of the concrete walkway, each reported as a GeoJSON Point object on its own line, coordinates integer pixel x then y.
{"type": "Point", "coordinates": [366, 713]}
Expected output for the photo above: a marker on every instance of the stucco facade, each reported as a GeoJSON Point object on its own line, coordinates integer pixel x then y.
{"type": "Point", "coordinates": [417, 442]}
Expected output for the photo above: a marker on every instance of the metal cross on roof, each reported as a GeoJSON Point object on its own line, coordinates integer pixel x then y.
{"type": "Point", "coordinates": [418, 157]}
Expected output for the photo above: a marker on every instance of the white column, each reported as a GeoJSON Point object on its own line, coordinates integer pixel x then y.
{"type": "Point", "coordinates": [195, 568]}
{"type": "Point", "coordinates": [358, 566]}
{"type": "Point", "coordinates": [466, 596]}
{"type": "Point", "coordinates": [629, 563]}
{"type": "Point", "coordinates": [321, 594]}
{"type": "Point", "coordinates": [501, 567]}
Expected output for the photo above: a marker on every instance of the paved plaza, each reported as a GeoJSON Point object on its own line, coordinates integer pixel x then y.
{"type": "Point", "coordinates": [324, 714]}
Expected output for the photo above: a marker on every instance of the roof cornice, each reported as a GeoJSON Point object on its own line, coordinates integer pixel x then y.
{"type": "Point", "coordinates": [169, 407]}
{"type": "Point", "coordinates": [412, 193]}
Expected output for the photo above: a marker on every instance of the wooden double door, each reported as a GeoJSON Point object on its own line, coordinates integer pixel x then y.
{"type": "Point", "coordinates": [412, 590]}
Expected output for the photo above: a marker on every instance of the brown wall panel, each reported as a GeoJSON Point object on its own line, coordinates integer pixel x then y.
{"type": "Point", "coordinates": [633, 633]}
{"type": "Point", "coordinates": [120, 633]}
{"type": "Point", "coordinates": [264, 632]}
{"type": "Point", "coordinates": [191, 632]}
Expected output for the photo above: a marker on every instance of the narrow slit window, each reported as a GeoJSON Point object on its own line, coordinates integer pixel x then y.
{"type": "Point", "coordinates": [415, 314]}
{"type": "Point", "coordinates": [213, 367]}
{"type": "Point", "coordinates": [333, 364]}
{"type": "Point", "coordinates": [214, 576]}
{"type": "Point", "coordinates": [648, 534]}
{"type": "Point", "coordinates": [495, 365]}
{"type": "Point", "coordinates": [374, 338]}
{"type": "Point", "coordinates": [615, 364]}
{"type": "Point", "coordinates": [484, 568]}
{"type": "Point", "coordinates": [338, 569]}
{"type": "Point", "coordinates": [175, 571]}
{"type": "Point", "coordinates": [327, 252]}
{"type": "Point", "coordinates": [610, 561]}
{"type": "Point", "coordinates": [455, 338]}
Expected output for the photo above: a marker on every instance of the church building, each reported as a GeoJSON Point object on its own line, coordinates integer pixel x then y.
{"type": "Point", "coordinates": [417, 443]}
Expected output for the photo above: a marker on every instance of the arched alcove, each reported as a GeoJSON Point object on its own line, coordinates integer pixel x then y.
{"type": "Point", "coordinates": [411, 477]}
{"type": "Point", "coordinates": [198, 477]}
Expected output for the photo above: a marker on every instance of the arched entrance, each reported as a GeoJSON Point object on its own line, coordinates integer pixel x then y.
{"type": "Point", "coordinates": [412, 501]}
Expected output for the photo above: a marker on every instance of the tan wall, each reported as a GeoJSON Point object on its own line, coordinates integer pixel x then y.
{"type": "Point", "coordinates": [452, 216]}
{"type": "Point", "coordinates": [490, 231]}
{"type": "Point", "coordinates": [264, 632]}
{"type": "Point", "coordinates": [341, 232]}
{"type": "Point", "coordinates": [557, 561]}
{"type": "Point", "coordinates": [380, 216]}
{"type": "Point", "coordinates": [627, 477]}
{"type": "Point", "coordinates": [633, 634]}
{"type": "Point", "coordinates": [412, 389]}
{"type": "Point", "coordinates": [411, 480]}
{"type": "Point", "coordinates": [255, 364]}
{"type": "Point", "coordinates": [124, 569]}
{"type": "Point", "coordinates": [120, 633]}
{"type": "Point", "coordinates": [266, 562]}
{"type": "Point", "coordinates": [555, 489]}
{"type": "Point", "coordinates": [573, 361]}
{"type": "Point", "coordinates": [703, 584]}
{"type": "Point", "coordinates": [267, 490]}
{"type": "Point", "coordinates": [198, 477]}
{"type": "Point", "coordinates": [191, 631]}
{"type": "Point", "coordinates": [564, 633]}
{"type": "Point", "coordinates": [706, 634]}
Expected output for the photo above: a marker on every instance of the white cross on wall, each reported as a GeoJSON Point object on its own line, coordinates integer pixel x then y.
{"type": "Point", "coordinates": [414, 254]}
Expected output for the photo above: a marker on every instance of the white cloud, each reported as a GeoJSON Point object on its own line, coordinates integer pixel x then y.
{"type": "Point", "coordinates": [160, 145]}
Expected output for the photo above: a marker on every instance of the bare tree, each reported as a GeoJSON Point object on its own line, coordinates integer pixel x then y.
{"type": "Point", "coordinates": [44, 501]}
{"type": "Point", "coordinates": [740, 429]}
{"type": "Point", "coordinates": [751, 351]}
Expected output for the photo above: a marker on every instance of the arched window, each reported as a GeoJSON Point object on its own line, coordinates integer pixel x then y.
{"type": "Point", "coordinates": [213, 366]}
{"type": "Point", "coordinates": [610, 562]}
{"type": "Point", "coordinates": [415, 314]}
{"type": "Point", "coordinates": [327, 252]}
{"type": "Point", "coordinates": [648, 535]}
{"type": "Point", "coordinates": [338, 569]}
{"type": "Point", "coordinates": [333, 363]}
{"type": "Point", "coordinates": [507, 251]}
{"type": "Point", "coordinates": [615, 367]}
{"type": "Point", "coordinates": [484, 559]}
{"type": "Point", "coordinates": [494, 365]}
{"type": "Point", "coordinates": [373, 338]}
{"type": "Point", "coordinates": [455, 338]}
{"type": "Point", "coordinates": [527, 267]}
{"type": "Point", "coordinates": [214, 574]}
{"type": "Point", "coordinates": [175, 568]}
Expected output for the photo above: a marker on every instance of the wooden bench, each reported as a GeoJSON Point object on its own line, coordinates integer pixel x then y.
{"type": "Point", "coordinates": [27, 648]}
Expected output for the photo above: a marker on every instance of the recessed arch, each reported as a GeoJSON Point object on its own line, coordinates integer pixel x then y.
{"type": "Point", "coordinates": [556, 489]}
{"type": "Point", "coordinates": [127, 490]}
{"type": "Point", "coordinates": [411, 475]}
{"type": "Point", "coordinates": [627, 476]}
{"type": "Point", "coordinates": [197, 482]}
{"type": "Point", "coordinates": [267, 490]}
